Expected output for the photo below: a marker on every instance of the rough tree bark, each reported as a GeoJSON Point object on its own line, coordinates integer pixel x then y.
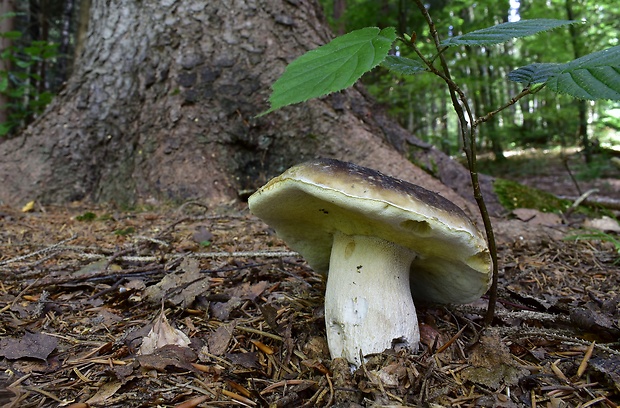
{"type": "Point", "coordinates": [162, 105]}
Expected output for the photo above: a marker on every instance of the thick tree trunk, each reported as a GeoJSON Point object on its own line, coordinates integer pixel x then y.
{"type": "Point", "coordinates": [162, 105]}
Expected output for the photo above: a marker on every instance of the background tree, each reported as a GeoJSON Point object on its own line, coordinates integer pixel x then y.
{"type": "Point", "coordinates": [6, 25]}
{"type": "Point", "coordinates": [542, 120]}
{"type": "Point", "coordinates": [162, 104]}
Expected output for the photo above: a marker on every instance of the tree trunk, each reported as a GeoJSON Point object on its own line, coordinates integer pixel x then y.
{"type": "Point", "coordinates": [6, 24]}
{"type": "Point", "coordinates": [162, 103]}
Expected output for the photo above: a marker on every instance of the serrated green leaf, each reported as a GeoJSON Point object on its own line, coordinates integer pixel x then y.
{"type": "Point", "coordinates": [593, 76]}
{"type": "Point", "coordinates": [505, 32]}
{"type": "Point", "coordinates": [402, 65]}
{"type": "Point", "coordinates": [331, 67]}
{"type": "Point", "coordinates": [536, 73]}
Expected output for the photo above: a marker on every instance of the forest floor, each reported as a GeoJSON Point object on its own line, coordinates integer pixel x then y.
{"type": "Point", "coordinates": [82, 291]}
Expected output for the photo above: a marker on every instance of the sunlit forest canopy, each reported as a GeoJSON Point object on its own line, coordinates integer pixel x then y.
{"type": "Point", "coordinates": [546, 119]}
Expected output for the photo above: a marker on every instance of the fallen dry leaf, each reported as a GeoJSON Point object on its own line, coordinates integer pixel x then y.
{"type": "Point", "coordinates": [535, 217]}
{"type": "Point", "coordinates": [606, 224]}
{"type": "Point", "coordinates": [168, 356]}
{"type": "Point", "coordinates": [218, 340]}
{"type": "Point", "coordinates": [162, 334]}
{"type": "Point", "coordinates": [31, 345]}
{"type": "Point", "coordinates": [106, 391]}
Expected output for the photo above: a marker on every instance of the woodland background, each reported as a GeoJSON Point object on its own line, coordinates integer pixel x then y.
{"type": "Point", "coordinates": [157, 100]}
{"type": "Point", "coordinates": [42, 37]}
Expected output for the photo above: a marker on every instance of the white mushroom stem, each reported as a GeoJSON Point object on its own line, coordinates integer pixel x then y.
{"type": "Point", "coordinates": [368, 302]}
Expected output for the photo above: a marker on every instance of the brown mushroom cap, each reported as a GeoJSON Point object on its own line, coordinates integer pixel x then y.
{"type": "Point", "coordinates": [309, 202]}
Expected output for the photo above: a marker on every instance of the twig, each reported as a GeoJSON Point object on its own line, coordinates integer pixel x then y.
{"type": "Point", "coordinates": [580, 200]}
{"type": "Point", "coordinates": [468, 133]}
{"type": "Point", "coordinates": [515, 99]}
{"type": "Point", "coordinates": [151, 268]}
{"type": "Point", "coordinates": [40, 251]}
{"type": "Point", "coordinates": [523, 332]}
{"type": "Point", "coordinates": [260, 332]}
{"type": "Point", "coordinates": [570, 173]}
{"type": "Point", "coordinates": [164, 257]}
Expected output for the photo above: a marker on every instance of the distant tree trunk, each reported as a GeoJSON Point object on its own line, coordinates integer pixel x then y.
{"type": "Point", "coordinates": [340, 7]}
{"type": "Point", "coordinates": [66, 34]}
{"type": "Point", "coordinates": [6, 24]}
{"type": "Point", "coordinates": [40, 27]}
{"type": "Point", "coordinates": [582, 107]}
{"type": "Point", "coordinates": [496, 143]}
{"type": "Point", "coordinates": [162, 106]}
{"type": "Point", "coordinates": [82, 29]}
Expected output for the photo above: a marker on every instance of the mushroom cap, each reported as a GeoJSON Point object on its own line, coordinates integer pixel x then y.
{"type": "Point", "coordinates": [309, 202]}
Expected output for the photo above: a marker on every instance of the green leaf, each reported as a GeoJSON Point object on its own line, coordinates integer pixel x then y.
{"type": "Point", "coordinates": [11, 35]}
{"type": "Point", "coordinates": [331, 67]}
{"type": "Point", "coordinates": [536, 73]}
{"type": "Point", "coordinates": [10, 14]}
{"type": "Point", "coordinates": [505, 32]}
{"type": "Point", "coordinates": [402, 65]}
{"type": "Point", "coordinates": [5, 128]}
{"type": "Point", "coordinates": [593, 76]}
{"type": "Point", "coordinates": [4, 83]}
{"type": "Point", "coordinates": [23, 64]}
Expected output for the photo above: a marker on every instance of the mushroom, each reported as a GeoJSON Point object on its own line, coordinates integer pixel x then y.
{"type": "Point", "coordinates": [382, 242]}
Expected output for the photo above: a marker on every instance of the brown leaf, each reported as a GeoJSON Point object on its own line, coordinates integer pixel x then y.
{"type": "Point", "coordinates": [106, 391]}
{"type": "Point", "coordinates": [202, 235]}
{"type": "Point", "coordinates": [180, 288]}
{"type": "Point", "coordinates": [609, 367]}
{"type": "Point", "coordinates": [593, 319]}
{"type": "Point", "coordinates": [535, 217]}
{"type": "Point", "coordinates": [32, 345]}
{"type": "Point", "coordinates": [168, 356]}
{"type": "Point", "coordinates": [492, 363]}
{"type": "Point", "coordinates": [247, 360]}
{"type": "Point", "coordinates": [603, 224]}
{"type": "Point", "coordinates": [221, 310]}
{"type": "Point", "coordinates": [218, 340]}
{"type": "Point", "coordinates": [162, 334]}
{"type": "Point", "coordinates": [249, 291]}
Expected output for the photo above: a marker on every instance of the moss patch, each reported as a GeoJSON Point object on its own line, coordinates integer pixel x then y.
{"type": "Point", "coordinates": [513, 195]}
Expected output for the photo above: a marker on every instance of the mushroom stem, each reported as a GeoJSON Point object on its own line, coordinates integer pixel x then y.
{"type": "Point", "coordinates": [368, 302]}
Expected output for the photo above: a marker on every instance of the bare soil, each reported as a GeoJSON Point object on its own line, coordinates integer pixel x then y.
{"type": "Point", "coordinates": [79, 298]}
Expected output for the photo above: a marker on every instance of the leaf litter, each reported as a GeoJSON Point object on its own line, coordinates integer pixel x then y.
{"type": "Point", "coordinates": [82, 323]}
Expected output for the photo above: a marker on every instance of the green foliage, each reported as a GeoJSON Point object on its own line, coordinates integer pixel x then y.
{"type": "Point", "coordinates": [125, 231]}
{"type": "Point", "coordinates": [420, 104]}
{"type": "Point", "coordinates": [18, 83]}
{"type": "Point", "coordinates": [87, 216]}
{"type": "Point", "coordinates": [600, 166]}
{"type": "Point", "coordinates": [332, 67]}
{"type": "Point", "coordinates": [513, 195]}
{"type": "Point", "coordinates": [505, 32]}
{"type": "Point", "coordinates": [593, 76]}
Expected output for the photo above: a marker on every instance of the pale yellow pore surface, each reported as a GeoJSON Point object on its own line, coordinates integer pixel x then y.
{"type": "Point", "coordinates": [308, 203]}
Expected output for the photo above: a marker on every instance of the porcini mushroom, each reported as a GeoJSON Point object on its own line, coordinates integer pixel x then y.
{"type": "Point", "coordinates": [382, 242]}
